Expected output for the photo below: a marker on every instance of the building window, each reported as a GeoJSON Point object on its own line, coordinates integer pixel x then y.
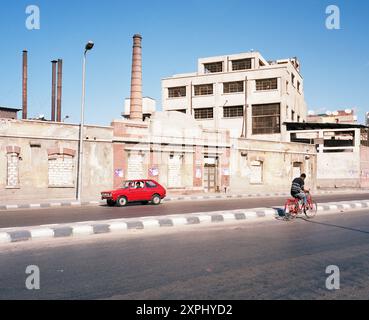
{"type": "Point", "coordinates": [293, 79]}
{"type": "Point", "coordinates": [213, 67]}
{"type": "Point", "coordinates": [204, 113]}
{"type": "Point", "coordinates": [266, 84]}
{"type": "Point", "coordinates": [230, 87]}
{"type": "Point", "coordinates": [298, 118]}
{"type": "Point", "coordinates": [176, 92]}
{"type": "Point", "coordinates": [292, 115]}
{"type": "Point", "coordinates": [266, 119]}
{"type": "Point", "coordinates": [242, 64]}
{"type": "Point", "coordinates": [203, 89]}
{"type": "Point", "coordinates": [233, 112]}
{"type": "Point", "coordinates": [298, 86]}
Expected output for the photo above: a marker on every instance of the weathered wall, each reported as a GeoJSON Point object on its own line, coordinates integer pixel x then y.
{"type": "Point", "coordinates": [273, 161]}
{"type": "Point", "coordinates": [339, 170]}
{"type": "Point", "coordinates": [364, 163]}
{"type": "Point", "coordinates": [48, 157]}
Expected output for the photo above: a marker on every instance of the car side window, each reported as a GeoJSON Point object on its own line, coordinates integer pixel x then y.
{"type": "Point", "coordinates": [150, 184]}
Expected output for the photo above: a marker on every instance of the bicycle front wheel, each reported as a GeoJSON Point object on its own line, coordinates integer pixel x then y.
{"type": "Point", "coordinates": [311, 210]}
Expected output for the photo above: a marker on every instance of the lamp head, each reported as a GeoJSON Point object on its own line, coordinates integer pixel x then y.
{"type": "Point", "coordinates": [89, 45]}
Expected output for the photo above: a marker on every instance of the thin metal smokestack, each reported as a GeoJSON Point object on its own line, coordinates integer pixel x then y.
{"type": "Point", "coordinates": [136, 80]}
{"type": "Point", "coordinates": [59, 89]}
{"type": "Point", "coordinates": [53, 89]}
{"type": "Point", "coordinates": [24, 85]}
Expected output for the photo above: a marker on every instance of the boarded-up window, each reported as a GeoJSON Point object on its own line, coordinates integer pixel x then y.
{"type": "Point", "coordinates": [296, 170]}
{"type": "Point", "coordinates": [61, 168]}
{"type": "Point", "coordinates": [13, 170]}
{"type": "Point", "coordinates": [174, 171]}
{"type": "Point", "coordinates": [135, 169]}
{"type": "Point", "coordinates": [256, 174]}
{"type": "Point", "coordinates": [266, 119]}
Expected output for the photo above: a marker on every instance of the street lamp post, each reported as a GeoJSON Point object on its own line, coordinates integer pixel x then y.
{"type": "Point", "coordinates": [88, 47]}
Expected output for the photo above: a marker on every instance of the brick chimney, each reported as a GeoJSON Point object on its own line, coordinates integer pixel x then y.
{"type": "Point", "coordinates": [136, 80]}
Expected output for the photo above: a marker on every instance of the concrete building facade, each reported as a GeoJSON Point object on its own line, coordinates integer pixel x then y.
{"type": "Point", "coordinates": [38, 159]}
{"type": "Point", "coordinates": [243, 93]}
{"type": "Point", "coordinates": [342, 152]}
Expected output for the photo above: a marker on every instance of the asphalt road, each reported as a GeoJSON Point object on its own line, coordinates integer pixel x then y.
{"type": "Point", "coordinates": [260, 260]}
{"type": "Point", "coordinates": [35, 217]}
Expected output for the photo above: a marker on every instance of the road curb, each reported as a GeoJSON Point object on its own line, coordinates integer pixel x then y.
{"type": "Point", "coordinates": [73, 203]}
{"type": "Point", "coordinates": [77, 229]}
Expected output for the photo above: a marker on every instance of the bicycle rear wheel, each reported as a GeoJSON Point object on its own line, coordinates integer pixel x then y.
{"type": "Point", "coordinates": [311, 210]}
{"type": "Point", "coordinates": [290, 211]}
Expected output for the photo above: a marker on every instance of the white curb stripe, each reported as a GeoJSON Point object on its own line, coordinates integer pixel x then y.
{"type": "Point", "coordinates": [333, 207]}
{"type": "Point", "coordinates": [150, 223]}
{"type": "Point", "coordinates": [270, 212]}
{"type": "Point", "coordinates": [4, 237]}
{"type": "Point", "coordinates": [55, 204]}
{"type": "Point", "coordinates": [12, 206]}
{"type": "Point", "coordinates": [179, 221]}
{"type": "Point", "coordinates": [118, 226]}
{"type": "Point", "coordinates": [251, 214]}
{"type": "Point", "coordinates": [42, 233]}
{"type": "Point", "coordinates": [75, 203]}
{"type": "Point", "coordinates": [83, 230]}
{"type": "Point", "coordinates": [228, 216]}
{"type": "Point", "coordinates": [204, 218]}
{"type": "Point", "coordinates": [35, 205]}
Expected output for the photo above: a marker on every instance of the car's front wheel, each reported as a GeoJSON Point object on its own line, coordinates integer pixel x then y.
{"type": "Point", "coordinates": [111, 203]}
{"type": "Point", "coordinates": [122, 201]}
{"type": "Point", "coordinates": [155, 199]}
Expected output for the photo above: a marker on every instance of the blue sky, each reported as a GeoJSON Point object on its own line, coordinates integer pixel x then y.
{"type": "Point", "coordinates": [335, 63]}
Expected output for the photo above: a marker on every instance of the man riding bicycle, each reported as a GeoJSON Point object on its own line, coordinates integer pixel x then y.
{"type": "Point", "coordinates": [298, 188]}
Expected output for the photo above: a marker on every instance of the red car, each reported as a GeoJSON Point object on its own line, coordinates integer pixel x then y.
{"type": "Point", "coordinates": [135, 191]}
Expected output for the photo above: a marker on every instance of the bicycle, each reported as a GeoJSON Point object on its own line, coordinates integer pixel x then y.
{"type": "Point", "coordinates": [293, 207]}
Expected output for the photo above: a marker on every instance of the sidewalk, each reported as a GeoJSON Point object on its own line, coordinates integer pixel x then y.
{"type": "Point", "coordinates": [185, 196]}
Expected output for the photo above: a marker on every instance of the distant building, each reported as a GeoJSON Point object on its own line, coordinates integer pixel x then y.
{"type": "Point", "coordinates": [9, 113]}
{"type": "Point", "coordinates": [243, 93]}
{"type": "Point", "coordinates": [340, 116]}
{"type": "Point", "coordinates": [148, 107]}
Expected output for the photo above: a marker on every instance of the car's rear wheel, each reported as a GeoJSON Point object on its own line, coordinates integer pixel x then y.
{"type": "Point", "coordinates": [111, 203]}
{"type": "Point", "coordinates": [155, 199]}
{"type": "Point", "coordinates": [122, 201]}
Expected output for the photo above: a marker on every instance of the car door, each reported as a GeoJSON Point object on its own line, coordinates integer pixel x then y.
{"type": "Point", "coordinates": [133, 193]}
{"type": "Point", "coordinates": [139, 193]}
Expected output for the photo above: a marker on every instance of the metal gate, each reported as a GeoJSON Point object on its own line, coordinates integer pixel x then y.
{"type": "Point", "coordinates": [210, 177]}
